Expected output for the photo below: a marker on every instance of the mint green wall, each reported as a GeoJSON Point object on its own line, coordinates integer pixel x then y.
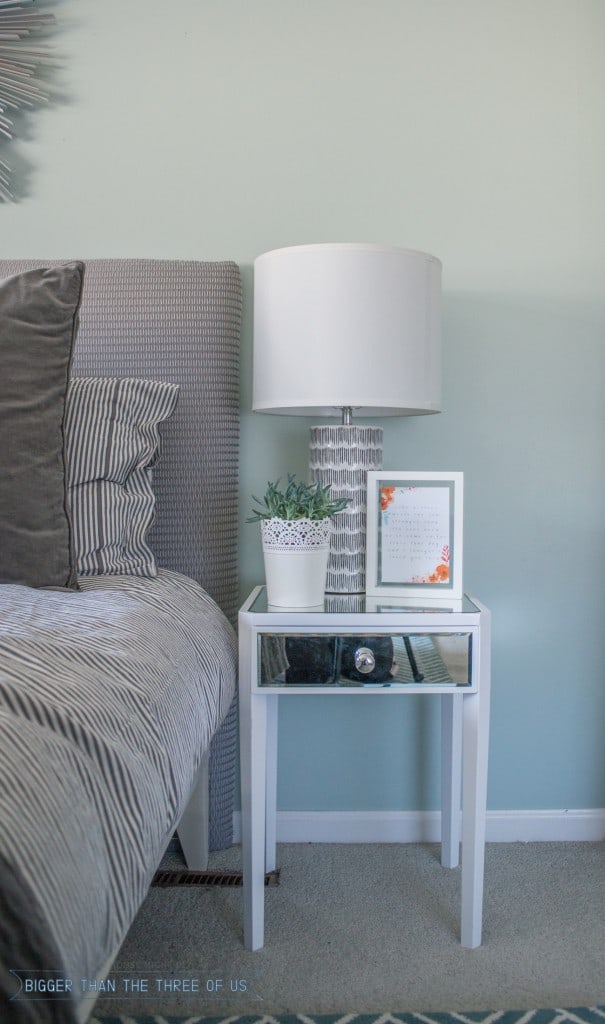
{"type": "Point", "coordinates": [222, 128]}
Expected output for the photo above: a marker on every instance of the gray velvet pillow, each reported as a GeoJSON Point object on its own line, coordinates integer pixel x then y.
{"type": "Point", "coordinates": [38, 323]}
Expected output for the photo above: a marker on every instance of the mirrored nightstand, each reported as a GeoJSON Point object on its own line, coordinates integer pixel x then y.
{"type": "Point", "coordinates": [367, 647]}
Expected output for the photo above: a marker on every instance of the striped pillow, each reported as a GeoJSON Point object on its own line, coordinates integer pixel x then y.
{"type": "Point", "coordinates": [111, 442]}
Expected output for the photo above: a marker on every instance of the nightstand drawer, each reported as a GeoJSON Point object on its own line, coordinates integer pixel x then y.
{"type": "Point", "coordinates": [393, 660]}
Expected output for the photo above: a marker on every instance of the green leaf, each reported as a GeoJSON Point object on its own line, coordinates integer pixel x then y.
{"type": "Point", "coordinates": [296, 501]}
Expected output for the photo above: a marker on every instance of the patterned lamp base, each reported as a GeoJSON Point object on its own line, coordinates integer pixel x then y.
{"type": "Point", "coordinates": [341, 456]}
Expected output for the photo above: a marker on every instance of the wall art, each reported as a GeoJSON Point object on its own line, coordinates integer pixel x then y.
{"type": "Point", "coordinates": [26, 63]}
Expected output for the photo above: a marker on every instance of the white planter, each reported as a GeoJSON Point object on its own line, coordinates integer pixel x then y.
{"type": "Point", "coordinates": [296, 561]}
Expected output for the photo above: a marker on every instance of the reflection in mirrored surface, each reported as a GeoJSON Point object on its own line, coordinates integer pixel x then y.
{"type": "Point", "coordinates": [393, 660]}
{"type": "Point", "coordinates": [351, 604]}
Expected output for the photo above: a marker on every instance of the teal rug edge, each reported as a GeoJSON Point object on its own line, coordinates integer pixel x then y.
{"type": "Point", "coordinates": [553, 1015]}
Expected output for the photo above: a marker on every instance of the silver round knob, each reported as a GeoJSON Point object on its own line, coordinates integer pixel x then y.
{"type": "Point", "coordinates": [365, 661]}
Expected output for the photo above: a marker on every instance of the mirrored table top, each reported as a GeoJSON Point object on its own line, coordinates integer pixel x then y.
{"type": "Point", "coordinates": [343, 604]}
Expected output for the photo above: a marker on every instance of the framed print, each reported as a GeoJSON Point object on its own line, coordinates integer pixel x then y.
{"type": "Point", "coordinates": [414, 535]}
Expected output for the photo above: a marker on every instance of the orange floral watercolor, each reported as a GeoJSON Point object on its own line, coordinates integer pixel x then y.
{"type": "Point", "coordinates": [386, 497]}
{"type": "Point", "coordinates": [440, 575]}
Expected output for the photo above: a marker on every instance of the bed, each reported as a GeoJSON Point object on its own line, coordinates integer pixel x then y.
{"type": "Point", "coordinates": [117, 658]}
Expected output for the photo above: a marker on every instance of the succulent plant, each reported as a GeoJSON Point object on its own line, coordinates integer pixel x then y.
{"type": "Point", "coordinates": [296, 501]}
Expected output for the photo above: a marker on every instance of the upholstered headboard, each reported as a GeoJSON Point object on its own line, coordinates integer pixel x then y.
{"type": "Point", "coordinates": [179, 320]}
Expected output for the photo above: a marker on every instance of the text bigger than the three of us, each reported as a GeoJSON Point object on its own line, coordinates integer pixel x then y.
{"type": "Point", "coordinates": [144, 984]}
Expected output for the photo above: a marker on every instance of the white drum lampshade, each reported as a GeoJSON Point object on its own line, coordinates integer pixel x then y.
{"type": "Point", "coordinates": [342, 329]}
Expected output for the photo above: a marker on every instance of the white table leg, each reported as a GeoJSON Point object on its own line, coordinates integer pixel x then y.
{"type": "Point", "coordinates": [451, 778]}
{"type": "Point", "coordinates": [271, 800]}
{"type": "Point", "coordinates": [253, 735]}
{"type": "Point", "coordinates": [474, 797]}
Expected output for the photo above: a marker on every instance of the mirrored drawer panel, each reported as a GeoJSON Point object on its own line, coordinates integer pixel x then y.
{"type": "Point", "coordinates": [398, 659]}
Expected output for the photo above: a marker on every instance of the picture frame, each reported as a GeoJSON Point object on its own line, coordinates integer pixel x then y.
{"type": "Point", "coordinates": [414, 542]}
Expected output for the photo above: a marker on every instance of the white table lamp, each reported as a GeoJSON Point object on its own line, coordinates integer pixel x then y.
{"type": "Point", "coordinates": [340, 329]}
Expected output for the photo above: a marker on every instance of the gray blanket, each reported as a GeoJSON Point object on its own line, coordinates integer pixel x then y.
{"type": "Point", "coordinates": [108, 698]}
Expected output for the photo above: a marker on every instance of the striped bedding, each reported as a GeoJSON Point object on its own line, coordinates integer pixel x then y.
{"type": "Point", "coordinates": [108, 698]}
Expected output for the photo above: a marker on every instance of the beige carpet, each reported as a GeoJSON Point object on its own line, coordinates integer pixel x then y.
{"type": "Point", "coordinates": [369, 928]}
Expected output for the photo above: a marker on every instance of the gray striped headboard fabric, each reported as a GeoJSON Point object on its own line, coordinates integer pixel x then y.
{"type": "Point", "coordinates": [179, 320]}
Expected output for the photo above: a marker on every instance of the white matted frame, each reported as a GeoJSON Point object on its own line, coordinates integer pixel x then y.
{"type": "Point", "coordinates": [415, 535]}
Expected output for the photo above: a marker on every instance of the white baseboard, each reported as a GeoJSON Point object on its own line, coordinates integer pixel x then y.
{"type": "Point", "coordinates": [424, 826]}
